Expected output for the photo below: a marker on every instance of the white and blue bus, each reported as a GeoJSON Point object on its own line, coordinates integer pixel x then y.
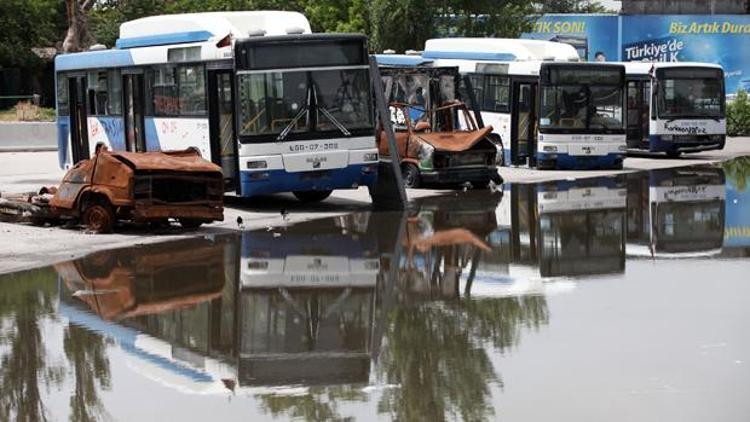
{"type": "Point", "coordinates": [278, 108]}
{"type": "Point", "coordinates": [549, 110]}
{"type": "Point", "coordinates": [675, 107]}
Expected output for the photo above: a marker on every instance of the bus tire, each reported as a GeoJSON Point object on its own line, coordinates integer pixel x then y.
{"type": "Point", "coordinates": [674, 154]}
{"type": "Point", "coordinates": [312, 195]}
{"type": "Point", "coordinates": [411, 176]}
{"type": "Point", "coordinates": [98, 216]}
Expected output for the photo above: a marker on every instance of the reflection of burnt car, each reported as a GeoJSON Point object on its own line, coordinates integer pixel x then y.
{"type": "Point", "coordinates": [152, 279]}
{"type": "Point", "coordinates": [444, 154]}
{"type": "Point", "coordinates": [444, 239]}
{"type": "Point", "coordinates": [147, 186]}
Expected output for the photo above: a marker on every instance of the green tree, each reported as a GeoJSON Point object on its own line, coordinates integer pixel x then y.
{"type": "Point", "coordinates": [402, 25]}
{"type": "Point", "coordinates": [28, 24]}
{"type": "Point", "coordinates": [738, 115]}
{"type": "Point", "coordinates": [571, 6]}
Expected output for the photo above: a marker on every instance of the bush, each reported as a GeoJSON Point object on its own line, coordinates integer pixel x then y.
{"type": "Point", "coordinates": [738, 115]}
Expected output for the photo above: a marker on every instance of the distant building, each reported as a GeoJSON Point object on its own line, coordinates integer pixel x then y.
{"type": "Point", "coordinates": [685, 7]}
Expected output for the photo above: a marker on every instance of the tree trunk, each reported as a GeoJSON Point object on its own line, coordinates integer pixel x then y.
{"type": "Point", "coordinates": [77, 38]}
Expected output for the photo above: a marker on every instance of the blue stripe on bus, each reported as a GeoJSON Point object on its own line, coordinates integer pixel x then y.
{"type": "Point", "coordinates": [400, 60]}
{"type": "Point", "coordinates": [283, 181]}
{"type": "Point", "coordinates": [93, 59]}
{"type": "Point", "coordinates": [469, 55]}
{"type": "Point", "coordinates": [63, 133]}
{"type": "Point", "coordinates": [152, 136]}
{"type": "Point", "coordinates": [114, 128]}
{"type": "Point", "coordinates": [578, 162]}
{"type": "Point", "coordinates": [163, 39]}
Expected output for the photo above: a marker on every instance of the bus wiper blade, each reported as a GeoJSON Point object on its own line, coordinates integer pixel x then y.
{"type": "Point", "coordinates": [288, 128]}
{"type": "Point", "coordinates": [335, 121]}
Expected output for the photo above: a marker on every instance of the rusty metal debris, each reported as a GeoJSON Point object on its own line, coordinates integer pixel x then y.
{"type": "Point", "coordinates": [116, 185]}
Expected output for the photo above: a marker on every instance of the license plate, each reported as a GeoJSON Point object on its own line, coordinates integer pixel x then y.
{"type": "Point", "coordinates": [578, 149]}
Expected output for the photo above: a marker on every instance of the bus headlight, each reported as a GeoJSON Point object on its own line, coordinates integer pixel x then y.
{"type": "Point", "coordinates": [371, 156]}
{"type": "Point", "coordinates": [622, 148]}
{"type": "Point", "coordinates": [257, 164]}
{"type": "Point", "coordinates": [549, 148]}
{"type": "Point", "coordinates": [667, 138]}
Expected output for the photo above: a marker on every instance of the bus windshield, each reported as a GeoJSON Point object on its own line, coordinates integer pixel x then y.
{"type": "Point", "coordinates": [582, 99]}
{"type": "Point", "coordinates": [692, 94]}
{"type": "Point", "coordinates": [290, 102]}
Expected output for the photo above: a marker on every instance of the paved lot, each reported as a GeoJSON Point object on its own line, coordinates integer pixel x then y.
{"type": "Point", "coordinates": [23, 247]}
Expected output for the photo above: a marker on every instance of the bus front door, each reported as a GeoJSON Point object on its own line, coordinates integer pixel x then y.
{"type": "Point", "coordinates": [523, 127]}
{"type": "Point", "coordinates": [79, 132]}
{"type": "Point", "coordinates": [638, 99]}
{"type": "Point", "coordinates": [221, 125]}
{"type": "Point", "coordinates": [132, 91]}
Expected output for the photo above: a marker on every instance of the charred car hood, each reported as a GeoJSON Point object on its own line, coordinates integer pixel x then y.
{"type": "Point", "coordinates": [166, 160]}
{"type": "Point", "coordinates": [454, 141]}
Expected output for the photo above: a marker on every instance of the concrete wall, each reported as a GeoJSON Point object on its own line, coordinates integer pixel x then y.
{"type": "Point", "coordinates": [28, 136]}
{"type": "Point", "coordinates": [685, 7]}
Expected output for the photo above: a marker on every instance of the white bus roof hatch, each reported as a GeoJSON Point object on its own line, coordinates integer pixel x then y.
{"type": "Point", "coordinates": [199, 27]}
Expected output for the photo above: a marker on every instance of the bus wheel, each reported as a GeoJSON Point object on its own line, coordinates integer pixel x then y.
{"type": "Point", "coordinates": [99, 217]}
{"type": "Point", "coordinates": [410, 173]}
{"type": "Point", "coordinates": [190, 223]}
{"type": "Point", "coordinates": [673, 154]}
{"type": "Point", "coordinates": [312, 195]}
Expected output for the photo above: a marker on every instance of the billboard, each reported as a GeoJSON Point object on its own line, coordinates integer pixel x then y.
{"type": "Point", "coordinates": [598, 33]}
{"type": "Point", "coordinates": [721, 39]}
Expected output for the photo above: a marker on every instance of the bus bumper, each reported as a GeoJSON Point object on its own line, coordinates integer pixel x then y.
{"type": "Point", "coordinates": [564, 161]}
{"type": "Point", "coordinates": [478, 176]}
{"type": "Point", "coordinates": [255, 183]}
{"type": "Point", "coordinates": [686, 143]}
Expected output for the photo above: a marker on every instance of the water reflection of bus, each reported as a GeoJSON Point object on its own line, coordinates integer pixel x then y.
{"type": "Point", "coordinates": [307, 303]}
{"type": "Point", "coordinates": [566, 229]}
{"type": "Point", "coordinates": [676, 212]}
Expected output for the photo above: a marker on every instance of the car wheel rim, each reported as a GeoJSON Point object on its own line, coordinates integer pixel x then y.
{"type": "Point", "coordinates": [98, 218]}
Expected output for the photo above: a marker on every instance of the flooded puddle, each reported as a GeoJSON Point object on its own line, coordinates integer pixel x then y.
{"type": "Point", "coordinates": [606, 299]}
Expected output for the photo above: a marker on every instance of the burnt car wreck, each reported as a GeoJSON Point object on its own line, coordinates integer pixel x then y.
{"type": "Point", "coordinates": [438, 139]}
{"type": "Point", "coordinates": [140, 187]}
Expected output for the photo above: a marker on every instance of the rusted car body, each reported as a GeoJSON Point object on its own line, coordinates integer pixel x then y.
{"type": "Point", "coordinates": [153, 279]}
{"type": "Point", "coordinates": [142, 187]}
{"type": "Point", "coordinates": [445, 154]}
{"type": "Point", "coordinates": [438, 140]}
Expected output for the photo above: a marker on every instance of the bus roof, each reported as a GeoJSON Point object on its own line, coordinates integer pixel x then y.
{"type": "Point", "coordinates": [498, 49]}
{"type": "Point", "coordinates": [644, 68]}
{"type": "Point", "coordinates": [198, 27]}
{"type": "Point", "coordinates": [401, 60]}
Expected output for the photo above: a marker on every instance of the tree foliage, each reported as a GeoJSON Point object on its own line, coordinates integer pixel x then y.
{"type": "Point", "coordinates": [27, 24]}
{"type": "Point", "coordinates": [571, 6]}
{"type": "Point", "coordinates": [738, 115]}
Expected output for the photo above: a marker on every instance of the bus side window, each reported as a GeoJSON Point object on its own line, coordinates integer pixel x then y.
{"type": "Point", "coordinates": [114, 104]}
{"type": "Point", "coordinates": [98, 95]}
{"type": "Point", "coordinates": [62, 96]}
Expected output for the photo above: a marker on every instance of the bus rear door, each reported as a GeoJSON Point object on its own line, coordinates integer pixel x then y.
{"type": "Point", "coordinates": [221, 125]}
{"type": "Point", "coordinates": [79, 139]}
{"type": "Point", "coordinates": [523, 122]}
{"type": "Point", "coordinates": [135, 139]}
